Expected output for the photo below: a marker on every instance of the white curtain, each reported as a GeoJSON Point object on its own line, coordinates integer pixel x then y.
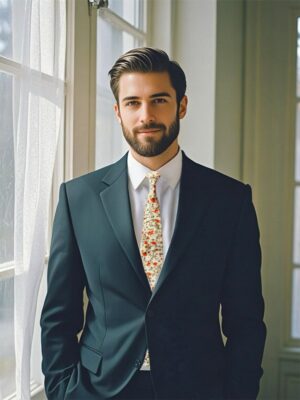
{"type": "Point", "coordinates": [39, 28]}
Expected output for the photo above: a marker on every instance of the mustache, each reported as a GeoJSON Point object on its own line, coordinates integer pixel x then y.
{"type": "Point", "coordinates": [152, 125]}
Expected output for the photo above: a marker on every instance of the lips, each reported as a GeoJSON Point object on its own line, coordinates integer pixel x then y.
{"type": "Point", "coordinates": [148, 131]}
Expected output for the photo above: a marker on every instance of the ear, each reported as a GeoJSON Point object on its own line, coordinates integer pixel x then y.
{"type": "Point", "coordinates": [117, 112]}
{"type": "Point", "coordinates": [183, 106]}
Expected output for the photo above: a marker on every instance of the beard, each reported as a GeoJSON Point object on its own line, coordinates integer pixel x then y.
{"type": "Point", "coordinates": [152, 146]}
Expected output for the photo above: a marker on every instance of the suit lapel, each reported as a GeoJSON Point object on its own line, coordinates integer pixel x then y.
{"type": "Point", "coordinates": [116, 203]}
{"type": "Point", "coordinates": [194, 199]}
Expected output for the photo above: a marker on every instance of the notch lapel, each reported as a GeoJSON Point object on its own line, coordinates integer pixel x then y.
{"type": "Point", "coordinates": [195, 197]}
{"type": "Point", "coordinates": [116, 203]}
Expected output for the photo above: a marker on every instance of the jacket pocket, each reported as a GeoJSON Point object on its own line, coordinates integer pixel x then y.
{"type": "Point", "coordinates": [90, 358]}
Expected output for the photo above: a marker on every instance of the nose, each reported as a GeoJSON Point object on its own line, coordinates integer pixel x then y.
{"type": "Point", "coordinates": [146, 114]}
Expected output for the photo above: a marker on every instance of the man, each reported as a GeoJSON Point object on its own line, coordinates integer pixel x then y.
{"type": "Point", "coordinates": [160, 243]}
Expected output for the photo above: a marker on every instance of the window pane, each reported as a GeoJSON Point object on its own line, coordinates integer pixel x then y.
{"type": "Point", "coordinates": [297, 145]}
{"type": "Point", "coordinates": [44, 41]}
{"type": "Point", "coordinates": [111, 43]}
{"type": "Point", "coordinates": [5, 29]}
{"type": "Point", "coordinates": [296, 304]}
{"type": "Point", "coordinates": [6, 170]}
{"type": "Point", "coordinates": [7, 355]}
{"type": "Point", "coordinates": [296, 257]}
{"type": "Point", "coordinates": [130, 10]}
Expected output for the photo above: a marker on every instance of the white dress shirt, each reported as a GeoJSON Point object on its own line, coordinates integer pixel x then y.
{"type": "Point", "coordinates": [167, 189]}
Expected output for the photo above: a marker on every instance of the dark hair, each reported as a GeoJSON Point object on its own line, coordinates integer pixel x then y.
{"type": "Point", "coordinates": [147, 59]}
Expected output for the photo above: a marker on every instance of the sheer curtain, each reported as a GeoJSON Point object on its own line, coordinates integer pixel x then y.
{"type": "Point", "coordinates": [40, 41]}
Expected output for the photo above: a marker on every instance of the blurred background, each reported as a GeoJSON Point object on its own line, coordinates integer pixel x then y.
{"type": "Point", "coordinates": [242, 62]}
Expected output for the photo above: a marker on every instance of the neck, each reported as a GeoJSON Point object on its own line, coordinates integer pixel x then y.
{"type": "Point", "coordinates": [156, 162]}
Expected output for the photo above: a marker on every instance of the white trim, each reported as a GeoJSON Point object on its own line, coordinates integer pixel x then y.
{"type": "Point", "coordinates": [9, 66]}
{"type": "Point", "coordinates": [79, 127]}
{"type": "Point", "coordinates": [161, 25]}
{"type": "Point", "coordinates": [69, 99]}
{"type": "Point", "coordinates": [144, 16]}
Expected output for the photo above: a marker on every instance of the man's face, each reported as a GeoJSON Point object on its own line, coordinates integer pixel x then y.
{"type": "Point", "coordinates": [148, 112]}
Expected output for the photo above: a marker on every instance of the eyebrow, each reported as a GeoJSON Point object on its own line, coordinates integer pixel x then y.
{"type": "Point", "coordinates": [153, 96]}
{"type": "Point", "coordinates": [160, 94]}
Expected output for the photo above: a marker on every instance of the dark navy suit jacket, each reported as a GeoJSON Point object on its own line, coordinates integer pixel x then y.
{"type": "Point", "coordinates": [213, 262]}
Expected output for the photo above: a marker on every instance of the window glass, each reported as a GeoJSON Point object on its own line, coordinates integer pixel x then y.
{"type": "Point", "coordinates": [296, 258]}
{"type": "Point", "coordinates": [13, 31]}
{"type": "Point", "coordinates": [296, 304]}
{"type": "Point", "coordinates": [7, 355]}
{"type": "Point", "coordinates": [130, 10]}
{"type": "Point", "coordinates": [297, 145]}
{"type": "Point", "coordinates": [6, 170]}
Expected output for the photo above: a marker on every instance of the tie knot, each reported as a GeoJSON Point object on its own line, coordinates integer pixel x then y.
{"type": "Point", "coordinates": [153, 177]}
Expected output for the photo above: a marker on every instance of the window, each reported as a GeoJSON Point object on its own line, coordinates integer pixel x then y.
{"type": "Point", "coordinates": [32, 65]}
{"type": "Point", "coordinates": [295, 328]}
{"type": "Point", "coordinates": [119, 28]}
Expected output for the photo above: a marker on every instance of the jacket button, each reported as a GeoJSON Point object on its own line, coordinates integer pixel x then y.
{"type": "Point", "coordinates": [137, 364]}
{"type": "Point", "coordinates": [150, 313]}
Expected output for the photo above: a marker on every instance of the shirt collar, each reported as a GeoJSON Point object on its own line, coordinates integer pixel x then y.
{"type": "Point", "coordinates": [170, 172]}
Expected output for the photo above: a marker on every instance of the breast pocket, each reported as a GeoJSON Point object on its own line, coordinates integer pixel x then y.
{"type": "Point", "coordinates": [90, 358]}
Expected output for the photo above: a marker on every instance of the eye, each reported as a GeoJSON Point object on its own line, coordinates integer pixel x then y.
{"type": "Point", "coordinates": [131, 103]}
{"type": "Point", "coordinates": [159, 100]}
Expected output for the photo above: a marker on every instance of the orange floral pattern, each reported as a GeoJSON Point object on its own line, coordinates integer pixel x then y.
{"type": "Point", "coordinates": [151, 247]}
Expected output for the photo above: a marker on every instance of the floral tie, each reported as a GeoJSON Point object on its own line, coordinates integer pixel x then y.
{"type": "Point", "coordinates": [151, 247]}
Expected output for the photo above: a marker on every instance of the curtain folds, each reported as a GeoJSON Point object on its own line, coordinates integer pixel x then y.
{"type": "Point", "coordinates": [39, 44]}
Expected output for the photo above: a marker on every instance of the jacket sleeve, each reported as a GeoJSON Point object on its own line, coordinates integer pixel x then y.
{"type": "Point", "coordinates": [243, 307]}
{"type": "Point", "coordinates": [62, 313]}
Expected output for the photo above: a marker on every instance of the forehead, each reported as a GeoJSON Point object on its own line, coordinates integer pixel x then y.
{"type": "Point", "coordinates": [145, 84]}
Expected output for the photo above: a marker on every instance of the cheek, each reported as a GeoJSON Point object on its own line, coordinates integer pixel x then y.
{"type": "Point", "coordinates": [169, 118]}
{"type": "Point", "coordinates": [129, 119]}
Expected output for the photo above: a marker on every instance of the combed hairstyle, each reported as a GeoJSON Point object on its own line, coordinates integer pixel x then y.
{"type": "Point", "coordinates": [147, 59]}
